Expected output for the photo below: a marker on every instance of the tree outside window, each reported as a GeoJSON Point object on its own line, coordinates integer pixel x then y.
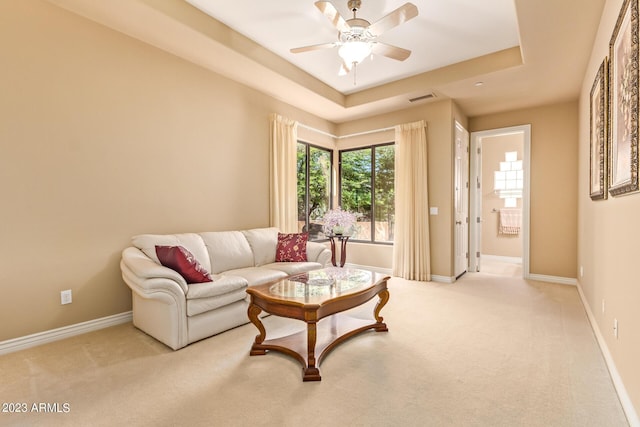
{"type": "Point", "coordinates": [367, 189]}
{"type": "Point", "coordinates": [314, 188]}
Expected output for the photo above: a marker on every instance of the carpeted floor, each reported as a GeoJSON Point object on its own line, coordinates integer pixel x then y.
{"type": "Point", "coordinates": [487, 350]}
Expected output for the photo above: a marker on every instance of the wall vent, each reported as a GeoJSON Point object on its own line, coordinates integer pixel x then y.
{"type": "Point", "coordinates": [420, 98]}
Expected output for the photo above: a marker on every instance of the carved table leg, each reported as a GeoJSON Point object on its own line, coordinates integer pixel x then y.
{"type": "Point", "coordinates": [384, 297]}
{"type": "Point", "coordinates": [333, 251]}
{"type": "Point", "coordinates": [253, 311]}
{"type": "Point", "coordinates": [343, 251]}
{"type": "Point", "coordinates": [311, 372]}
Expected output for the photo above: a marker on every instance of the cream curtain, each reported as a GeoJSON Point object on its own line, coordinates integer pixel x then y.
{"type": "Point", "coordinates": [283, 209]}
{"type": "Point", "coordinates": [411, 251]}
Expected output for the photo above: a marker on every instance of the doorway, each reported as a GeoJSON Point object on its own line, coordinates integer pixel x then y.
{"type": "Point", "coordinates": [500, 171]}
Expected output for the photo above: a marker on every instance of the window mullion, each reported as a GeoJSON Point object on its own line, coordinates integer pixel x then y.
{"type": "Point", "coordinates": [373, 194]}
{"type": "Point", "coordinates": [307, 174]}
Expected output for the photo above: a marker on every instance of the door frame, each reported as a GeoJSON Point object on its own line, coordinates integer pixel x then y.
{"type": "Point", "coordinates": [475, 228]}
{"type": "Point", "coordinates": [461, 201]}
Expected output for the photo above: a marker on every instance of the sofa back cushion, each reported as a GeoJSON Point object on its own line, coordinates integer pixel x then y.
{"type": "Point", "coordinates": [192, 242]}
{"type": "Point", "coordinates": [228, 250]}
{"type": "Point", "coordinates": [263, 242]}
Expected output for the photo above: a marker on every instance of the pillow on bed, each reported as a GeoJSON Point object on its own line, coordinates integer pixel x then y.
{"type": "Point", "coordinates": [181, 260]}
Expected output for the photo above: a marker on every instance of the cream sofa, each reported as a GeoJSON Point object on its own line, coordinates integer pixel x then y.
{"type": "Point", "coordinates": [176, 313]}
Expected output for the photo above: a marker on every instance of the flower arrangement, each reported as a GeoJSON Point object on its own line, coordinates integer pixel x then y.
{"type": "Point", "coordinates": [337, 221]}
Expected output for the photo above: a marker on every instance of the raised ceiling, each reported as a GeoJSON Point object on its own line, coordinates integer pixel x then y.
{"type": "Point", "coordinates": [525, 52]}
{"type": "Point", "coordinates": [444, 33]}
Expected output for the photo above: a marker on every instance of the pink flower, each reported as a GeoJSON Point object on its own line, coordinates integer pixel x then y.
{"type": "Point", "coordinates": [338, 218]}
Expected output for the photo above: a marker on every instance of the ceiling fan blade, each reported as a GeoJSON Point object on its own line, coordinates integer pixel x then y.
{"type": "Point", "coordinates": [393, 52]}
{"type": "Point", "coordinates": [312, 47]}
{"type": "Point", "coordinates": [402, 14]}
{"type": "Point", "coordinates": [330, 11]}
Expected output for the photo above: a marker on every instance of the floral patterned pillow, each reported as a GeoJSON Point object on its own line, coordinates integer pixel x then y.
{"type": "Point", "coordinates": [292, 247]}
{"type": "Point", "coordinates": [181, 260]}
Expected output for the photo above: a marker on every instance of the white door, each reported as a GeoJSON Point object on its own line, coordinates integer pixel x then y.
{"type": "Point", "coordinates": [461, 204]}
{"type": "Point", "coordinates": [475, 231]}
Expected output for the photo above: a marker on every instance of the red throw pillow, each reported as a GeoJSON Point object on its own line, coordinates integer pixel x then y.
{"type": "Point", "coordinates": [181, 260]}
{"type": "Point", "coordinates": [292, 247]}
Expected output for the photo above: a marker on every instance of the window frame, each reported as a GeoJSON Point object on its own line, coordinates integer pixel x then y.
{"type": "Point", "coordinates": [372, 237]}
{"type": "Point", "coordinates": [307, 166]}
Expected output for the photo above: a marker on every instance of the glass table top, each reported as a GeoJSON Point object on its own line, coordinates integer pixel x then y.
{"type": "Point", "coordinates": [320, 283]}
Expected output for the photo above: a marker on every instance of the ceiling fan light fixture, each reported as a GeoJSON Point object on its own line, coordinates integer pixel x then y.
{"type": "Point", "coordinates": [355, 51]}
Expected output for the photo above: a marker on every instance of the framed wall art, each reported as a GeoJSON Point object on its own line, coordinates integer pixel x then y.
{"type": "Point", "coordinates": [598, 149]}
{"type": "Point", "coordinates": [623, 102]}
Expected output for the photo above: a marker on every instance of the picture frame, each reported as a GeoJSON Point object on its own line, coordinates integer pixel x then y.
{"type": "Point", "coordinates": [598, 146]}
{"type": "Point", "coordinates": [623, 102]}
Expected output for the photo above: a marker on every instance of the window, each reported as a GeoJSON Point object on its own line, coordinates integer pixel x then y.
{"type": "Point", "coordinates": [367, 188]}
{"type": "Point", "coordinates": [314, 188]}
{"type": "Point", "coordinates": [508, 182]}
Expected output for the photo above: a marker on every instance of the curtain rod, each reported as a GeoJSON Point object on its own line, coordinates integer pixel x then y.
{"type": "Point", "coordinates": [344, 136]}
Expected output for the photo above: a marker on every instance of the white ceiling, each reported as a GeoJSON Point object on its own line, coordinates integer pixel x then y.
{"type": "Point", "coordinates": [444, 33]}
{"type": "Point", "coordinates": [455, 44]}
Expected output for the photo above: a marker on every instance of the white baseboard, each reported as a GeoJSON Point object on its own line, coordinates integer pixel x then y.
{"type": "Point", "coordinates": [553, 279]}
{"type": "Point", "coordinates": [442, 279]}
{"type": "Point", "coordinates": [40, 338]}
{"type": "Point", "coordinates": [380, 270]}
{"type": "Point", "coordinates": [389, 272]}
{"type": "Point", "coordinates": [625, 400]}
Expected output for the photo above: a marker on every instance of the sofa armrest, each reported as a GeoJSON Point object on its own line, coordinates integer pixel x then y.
{"type": "Point", "coordinates": [140, 271]}
{"type": "Point", "coordinates": [317, 252]}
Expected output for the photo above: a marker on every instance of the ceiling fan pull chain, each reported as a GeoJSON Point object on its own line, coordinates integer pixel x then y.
{"type": "Point", "coordinates": [355, 67]}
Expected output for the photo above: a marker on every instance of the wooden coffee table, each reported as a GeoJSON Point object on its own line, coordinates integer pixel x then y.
{"type": "Point", "coordinates": [311, 297]}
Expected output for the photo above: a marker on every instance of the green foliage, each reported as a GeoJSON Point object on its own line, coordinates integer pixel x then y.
{"type": "Point", "coordinates": [357, 192]}
{"type": "Point", "coordinates": [355, 176]}
{"type": "Point", "coordinates": [358, 183]}
{"type": "Point", "coordinates": [319, 183]}
{"type": "Point", "coordinates": [314, 188]}
{"type": "Point", "coordinates": [385, 190]}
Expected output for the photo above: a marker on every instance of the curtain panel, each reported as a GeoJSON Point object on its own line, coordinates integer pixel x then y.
{"type": "Point", "coordinates": [283, 200]}
{"type": "Point", "coordinates": [411, 248]}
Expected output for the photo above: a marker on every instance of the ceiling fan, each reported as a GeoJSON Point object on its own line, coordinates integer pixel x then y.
{"type": "Point", "coordinates": [357, 37]}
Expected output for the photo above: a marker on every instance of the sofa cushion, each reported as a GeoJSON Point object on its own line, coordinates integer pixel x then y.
{"type": "Point", "coordinates": [263, 242]}
{"type": "Point", "coordinates": [202, 305]}
{"type": "Point", "coordinates": [228, 250]}
{"type": "Point", "coordinates": [219, 286]}
{"type": "Point", "coordinates": [181, 260]}
{"type": "Point", "coordinates": [292, 247]}
{"type": "Point", "coordinates": [258, 275]}
{"type": "Point", "coordinates": [290, 268]}
{"type": "Point", "coordinates": [190, 241]}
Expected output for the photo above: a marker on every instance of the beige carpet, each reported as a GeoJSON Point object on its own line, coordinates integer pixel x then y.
{"type": "Point", "coordinates": [485, 351]}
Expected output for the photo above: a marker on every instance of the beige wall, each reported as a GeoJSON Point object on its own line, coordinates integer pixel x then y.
{"type": "Point", "coordinates": [439, 118]}
{"type": "Point", "coordinates": [492, 242]}
{"type": "Point", "coordinates": [554, 168]}
{"type": "Point", "coordinates": [608, 236]}
{"type": "Point", "coordinates": [104, 137]}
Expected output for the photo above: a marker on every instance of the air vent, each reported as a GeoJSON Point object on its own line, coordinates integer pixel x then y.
{"type": "Point", "coordinates": [420, 98]}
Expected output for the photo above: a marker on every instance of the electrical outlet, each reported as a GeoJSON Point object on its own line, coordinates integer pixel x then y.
{"type": "Point", "coordinates": [615, 328]}
{"type": "Point", "coordinates": [581, 271]}
{"type": "Point", "coordinates": [65, 297]}
{"type": "Point", "coordinates": [602, 306]}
